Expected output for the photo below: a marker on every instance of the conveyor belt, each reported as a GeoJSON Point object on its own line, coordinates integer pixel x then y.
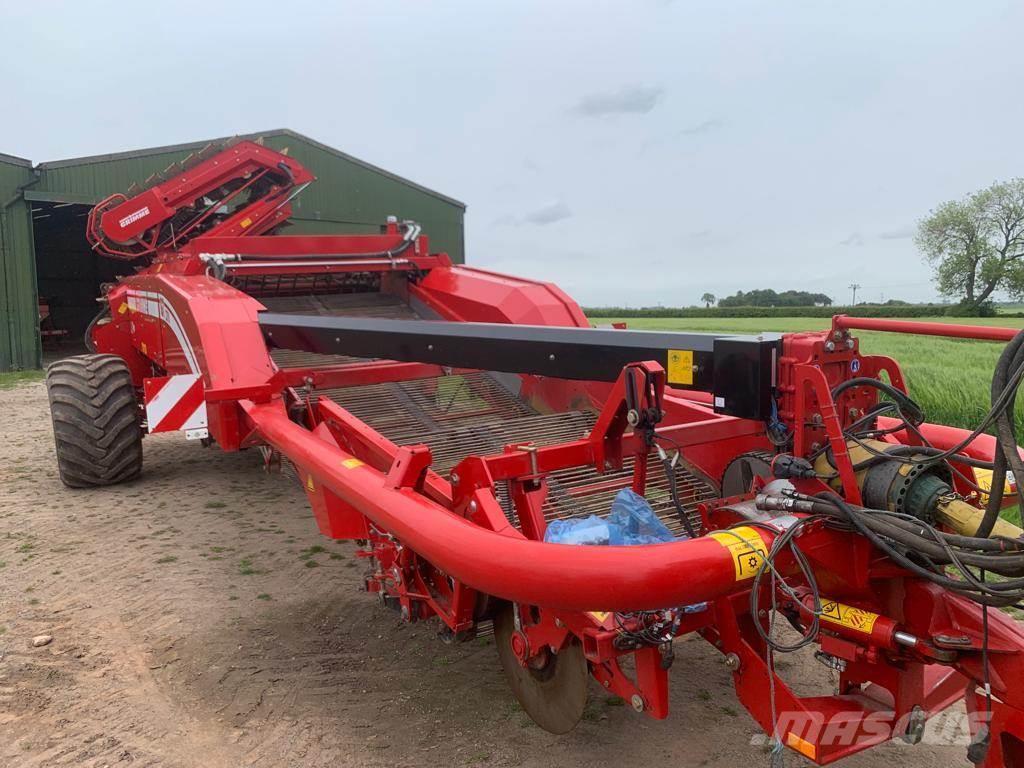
{"type": "Point", "coordinates": [472, 415]}
{"type": "Point", "coordinates": [334, 305]}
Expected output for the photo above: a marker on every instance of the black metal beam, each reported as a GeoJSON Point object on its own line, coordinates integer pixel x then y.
{"type": "Point", "coordinates": [589, 354]}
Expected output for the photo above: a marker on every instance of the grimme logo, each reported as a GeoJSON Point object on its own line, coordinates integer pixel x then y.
{"type": "Point", "coordinates": [133, 217]}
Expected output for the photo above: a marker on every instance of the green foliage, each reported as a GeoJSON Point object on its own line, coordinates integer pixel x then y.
{"type": "Point", "coordinates": [976, 245]}
{"type": "Point", "coordinates": [967, 309]}
{"type": "Point", "coordinates": [766, 297]}
{"type": "Point", "coordinates": [861, 310]}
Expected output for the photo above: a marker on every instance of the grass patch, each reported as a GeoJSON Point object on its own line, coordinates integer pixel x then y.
{"type": "Point", "coordinates": [263, 596]}
{"type": "Point", "coordinates": [167, 559]}
{"type": "Point", "coordinates": [14, 378]}
{"type": "Point", "coordinates": [215, 505]}
{"type": "Point", "coordinates": [245, 566]}
{"type": "Point", "coordinates": [312, 564]}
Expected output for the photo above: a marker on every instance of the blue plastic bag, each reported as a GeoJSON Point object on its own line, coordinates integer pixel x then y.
{"type": "Point", "coordinates": [631, 521]}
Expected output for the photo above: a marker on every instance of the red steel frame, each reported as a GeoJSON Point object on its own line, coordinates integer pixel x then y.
{"type": "Point", "coordinates": [440, 544]}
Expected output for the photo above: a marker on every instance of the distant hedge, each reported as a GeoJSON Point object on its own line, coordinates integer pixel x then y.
{"type": "Point", "coordinates": [910, 310]}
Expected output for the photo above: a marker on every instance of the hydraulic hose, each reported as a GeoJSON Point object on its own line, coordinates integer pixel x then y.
{"type": "Point", "coordinates": [1007, 454]}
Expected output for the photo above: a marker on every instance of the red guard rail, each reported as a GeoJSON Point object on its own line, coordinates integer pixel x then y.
{"type": "Point", "coordinates": [536, 573]}
{"type": "Point", "coordinates": [952, 330]}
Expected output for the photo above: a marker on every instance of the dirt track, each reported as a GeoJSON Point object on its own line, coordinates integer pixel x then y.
{"type": "Point", "coordinates": [199, 619]}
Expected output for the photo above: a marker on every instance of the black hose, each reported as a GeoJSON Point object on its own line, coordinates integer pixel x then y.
{"type": "Point", "coordinates": [670, 475]}
{"type": "Point", "coordinates": [1011, 358]}
{"type": "Point", "coordinates": [906, 403]}
{"type": "Point", "coordinates": [991, 594]}
{"type": "Point", "coordinates": [87, 338]}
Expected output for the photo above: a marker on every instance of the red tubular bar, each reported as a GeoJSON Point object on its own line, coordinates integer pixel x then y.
{"type": "Point", "coordinates": [503, 564]}
{"type": "Point", "coordinates": [951, 330]}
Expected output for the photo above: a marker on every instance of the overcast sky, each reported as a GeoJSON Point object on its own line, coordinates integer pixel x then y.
{"type": "Point", "coordinates": [637, 152]}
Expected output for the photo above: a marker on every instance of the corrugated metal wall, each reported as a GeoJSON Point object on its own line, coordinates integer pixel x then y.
{"type": "Point", "coordinates": [19, 308]}
{"type": "Point", "coordinates": [348, 196]}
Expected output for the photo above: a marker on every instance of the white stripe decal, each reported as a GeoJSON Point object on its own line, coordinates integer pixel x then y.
{"type": "Point", "coordinates": [168, 397]}
{"type": "Point", "coordinates": [175, 389]}
{"type": "Point", "coordinates": [198, 419]}
{"type": "Point", "coordinates": [157, 306]}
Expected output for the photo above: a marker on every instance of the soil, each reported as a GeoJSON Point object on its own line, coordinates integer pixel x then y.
{"type": "Point", "coordinates": [199, 619]}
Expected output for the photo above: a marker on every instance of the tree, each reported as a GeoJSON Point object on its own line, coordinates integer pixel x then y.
{"type": "Point", "coordinates": [976, 245]}
{"type": "Point", "coordinates": [766, 297]}
{"type": "Point", "coordinates": [708, 299]}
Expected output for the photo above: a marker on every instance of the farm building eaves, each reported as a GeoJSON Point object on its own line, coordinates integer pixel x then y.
{"type": "Point", "coordinates": [92, 159]}
{"type": "Point", "coordinates": [15, 160]}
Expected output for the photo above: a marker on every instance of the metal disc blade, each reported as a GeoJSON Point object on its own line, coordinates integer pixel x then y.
{"type": "Point", "coordinates": [739, 475]}
{"type": "Point", "coordinates": [554, 696]}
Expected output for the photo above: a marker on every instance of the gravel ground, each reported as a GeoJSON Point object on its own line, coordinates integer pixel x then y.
{"type": "Point", "coordinates": [199, 619]}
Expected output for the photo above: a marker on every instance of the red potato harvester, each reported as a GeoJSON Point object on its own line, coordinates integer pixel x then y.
{"type": "Point", "coordinates": [443, 416]}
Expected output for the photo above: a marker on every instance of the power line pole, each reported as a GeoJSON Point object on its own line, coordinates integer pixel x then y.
{"type": "Point", "coordinates": [854, 287]}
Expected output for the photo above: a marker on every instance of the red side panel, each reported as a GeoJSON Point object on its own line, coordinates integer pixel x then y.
{"type": "Point", "coordinates": [476, 295]}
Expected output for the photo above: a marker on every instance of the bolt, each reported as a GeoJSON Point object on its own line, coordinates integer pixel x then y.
{"type": "Point", "coordinates": [763, 613]}
{"type": "Point", "coordinates": [455, 479]}
{"type": "Point", "coordinates": [916, 723]}
{"type": "Point", "coordinates": [637, 702]}
{"type": "Point", "coordinates": [337, 339]}
{"type": "Point", "coordinates": [830, 346]}
{"type": "Point", "coordinates": [472, 506]}
{"type": "Point", "coordinates": [850, 343]}
{"type": "Point", "coordinates": [558, 623]}
{"type": "Point", "coordinates": [837, 335]}
{"type": "Point", "coordinates": [551, 357]}
{"type": "Point", "coordinates": [732, 661]}
{"type": "Point", "coordinates": [430, 347]}
{"type": "Point", "coordinates": [607, 684]}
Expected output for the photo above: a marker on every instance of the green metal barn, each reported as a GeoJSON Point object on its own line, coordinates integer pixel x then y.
{"type": "Point", "coordinates": [46, 266]}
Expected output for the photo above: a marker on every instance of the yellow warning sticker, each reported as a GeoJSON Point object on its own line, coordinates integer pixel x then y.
{"type": "Point", "coordinates": [309, 483]}
{"type": "Point", "coordinates": [351, 463]}
{"type": "Point", "coordinates": [983, 477]}
{"type": "Point", "coordinates": [599, 616]}
{"type": "Point", "coordinates": [245, 223]}
{"type": "Point", "coordinates": [145, 349]}
{"type": "Point", "coordinates": [746, 547]}
{"type": "Point", "coordinates": [680, 366]}
{"type": "Point", "coordinates": [123, 308]}
{"type": "Point", "coordinates": [847, 616]}
{"type": "Point", "coordinates": [802, 746]}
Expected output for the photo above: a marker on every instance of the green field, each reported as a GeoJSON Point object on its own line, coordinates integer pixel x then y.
{"type": "Point", "coordinates": [950, 378]}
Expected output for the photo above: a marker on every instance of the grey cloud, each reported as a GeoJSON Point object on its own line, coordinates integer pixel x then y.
{"type": "Point", "coordinates": [708, 126]}
{"type": "Point", "coordinates": [548, 214]}
{"type": "Point", "coordinates": [855, 238]}
{"type": "Point", "coordinates": [635, 99]}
